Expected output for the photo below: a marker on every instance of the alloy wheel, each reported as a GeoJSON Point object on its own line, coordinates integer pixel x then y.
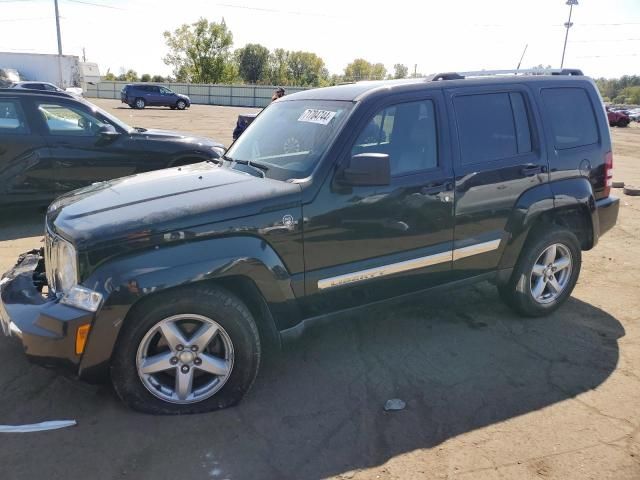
{"type": "Point", "coordinates": [185, 358]}
{"type": "Point", "coordinates": [551, 273]}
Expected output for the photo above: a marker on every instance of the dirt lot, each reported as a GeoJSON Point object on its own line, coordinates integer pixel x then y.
{"type": "Point", "coordinates": [489, 395]}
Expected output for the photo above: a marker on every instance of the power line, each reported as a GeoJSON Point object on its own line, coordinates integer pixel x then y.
{"type": "Point", "coordinates": [606, 40]}
{"type": "Point", "coordinates": [95, 4]}
{"type": "Point", "coordinates": [24, 19]}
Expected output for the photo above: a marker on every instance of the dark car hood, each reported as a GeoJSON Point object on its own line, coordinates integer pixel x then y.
{"type": "Point", "coordinates": [164, 201]}
{"type": "Point", "coordinates": [173, 136]}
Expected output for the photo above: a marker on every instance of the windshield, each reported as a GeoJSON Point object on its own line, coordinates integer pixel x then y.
{"type": "Point", "coordinates": [291, 136]}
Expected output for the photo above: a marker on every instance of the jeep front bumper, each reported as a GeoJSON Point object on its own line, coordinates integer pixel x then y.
{"type": "Point", "coordinates": [45, 327]}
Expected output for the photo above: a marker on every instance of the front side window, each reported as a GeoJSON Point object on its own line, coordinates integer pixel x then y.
{"type": "Point", "coordinates": [290, 137]}
{"type": "Point", "coordinates": [66, 120]}
{"type": "Point", "coordinates": [407, 133]}
{"type": "Point", "coordinates": [572, 117]}
{"type": "Point", "coordinates": [492, 126]}
{"type": "Point", "coordinates": [12, 120]}
{"type": "Point", "coordinates": [165, 91]}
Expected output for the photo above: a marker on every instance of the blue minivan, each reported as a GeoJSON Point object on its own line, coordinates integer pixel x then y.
{"type": "Point", "coordinates": [142, 95]}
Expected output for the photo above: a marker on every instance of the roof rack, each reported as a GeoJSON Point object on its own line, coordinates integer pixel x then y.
{"type": "Point", "coordinates": [487, 73]}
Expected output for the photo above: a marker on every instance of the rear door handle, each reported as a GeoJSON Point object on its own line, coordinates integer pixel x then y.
{"type": "Point", "coordinates": [531, 170]}
{"type": "Point", "coordinates": [435, 189]}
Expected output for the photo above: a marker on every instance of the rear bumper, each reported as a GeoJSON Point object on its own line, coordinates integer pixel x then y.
{"type": "Point", "coordinates": [45, 327]}
{"type": "Point", "coordinates": [607, 209]}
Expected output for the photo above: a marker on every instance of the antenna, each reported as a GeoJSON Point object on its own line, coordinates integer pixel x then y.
{"type": "Point", "coordinates": [523, 52]}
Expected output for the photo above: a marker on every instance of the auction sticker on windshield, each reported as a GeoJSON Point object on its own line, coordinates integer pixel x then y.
{"type": "Point", "coordinates": [311, 115]}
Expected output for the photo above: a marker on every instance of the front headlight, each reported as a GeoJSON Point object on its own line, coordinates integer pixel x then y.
{"type": "Point", "coordinates": [66, 266]}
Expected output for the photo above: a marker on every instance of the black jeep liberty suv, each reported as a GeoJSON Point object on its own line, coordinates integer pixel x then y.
{"type": "Point", "coordinates": [173, 281]}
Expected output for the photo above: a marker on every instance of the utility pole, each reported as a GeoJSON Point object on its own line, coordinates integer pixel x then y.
{"type": "Point", "coordinates": [58, 28]}
{"type": "Point", "coordinates": [84, 56]}
{"type": "Point", "coordinates": [567, 25]}
{"type": "Point", "coordinates": [415, 70]}
{"type": "Point", "coordinates": [55, 2]}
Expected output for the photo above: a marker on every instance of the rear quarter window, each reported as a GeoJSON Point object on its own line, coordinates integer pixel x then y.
{"type": "Point", "coordinates": [572, 117]}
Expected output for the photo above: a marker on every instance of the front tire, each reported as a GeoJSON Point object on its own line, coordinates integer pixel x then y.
{"type": "Point", "coordinates": [545, 274]}
{"type": "Point", "coordinates": [192, 351]}
{"type": "Point", "coordinates": [622, 123]}
{"type": "Point", "coordinates": [181, 104]}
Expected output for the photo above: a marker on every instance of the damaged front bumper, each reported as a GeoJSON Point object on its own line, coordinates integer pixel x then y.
{"type": "Point", "coordinates": [45, 327]}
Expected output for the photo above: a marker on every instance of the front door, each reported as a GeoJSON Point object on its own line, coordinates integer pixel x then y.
{"type": "Point", "coordinates": [79, 154]}
{"type": "Point", "coordinates": [369, 243]}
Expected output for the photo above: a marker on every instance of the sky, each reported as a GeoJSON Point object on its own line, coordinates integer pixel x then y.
{"type": "Point", "coordinates": [437, 36]}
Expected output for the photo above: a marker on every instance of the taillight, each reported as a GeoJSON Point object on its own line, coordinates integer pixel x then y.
{"type": "Point", "coordinates": [608, 173]}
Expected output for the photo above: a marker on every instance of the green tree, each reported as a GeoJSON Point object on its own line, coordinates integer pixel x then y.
{"type": "Point", "coordinates": [145, 77]}
{"type": "Point", "coordinates": [278, 72]}
{"type": "Point", "coordinates": [400, 71]}
{"type": "Point", "coordinates": [110, 76]}
{"type": "Point", "coordinates": [253, 62]}
{"type": "Point", "coordinates": [158, 79]}
{"type": "Point", "coordinates": [199, 52]}
{"type": "Point", "coordinates": [305, 69]}
{"type": "Point", "coordinates": [128, 76]}
{"type": "Point", "coordinates": [359, 69]}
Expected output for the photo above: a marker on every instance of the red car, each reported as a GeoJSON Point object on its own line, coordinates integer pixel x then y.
{"type": "Point", "coordinates": [617, 119]}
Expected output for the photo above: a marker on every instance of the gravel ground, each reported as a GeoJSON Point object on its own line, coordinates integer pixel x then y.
{"type": "Point", "coordinates": [489, 395]}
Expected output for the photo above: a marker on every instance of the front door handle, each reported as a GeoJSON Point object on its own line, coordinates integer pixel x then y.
{"type": "Point", "coordinates": [435, 189]}
{"type": "Point", "coordinates": [531, 170]}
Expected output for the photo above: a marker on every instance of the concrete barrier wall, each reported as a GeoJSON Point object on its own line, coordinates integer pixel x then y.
{"type": "Point", "coordinates": [227, 95]}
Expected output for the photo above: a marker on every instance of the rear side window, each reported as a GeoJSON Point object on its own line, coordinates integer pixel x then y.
{"type": "Point", "coordinates": [492, 126]}
{"type": "Point", "coordinates": [572, 117]}
{"type": "Point", "coordinates": [12, 119]}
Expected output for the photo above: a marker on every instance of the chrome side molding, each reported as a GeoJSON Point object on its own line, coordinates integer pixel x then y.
{"type": "Point", "coordinates": [413, 264]}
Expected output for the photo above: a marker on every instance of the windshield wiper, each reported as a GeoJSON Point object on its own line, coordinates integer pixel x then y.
{"type": "Point", "coordinates": [258, 167]}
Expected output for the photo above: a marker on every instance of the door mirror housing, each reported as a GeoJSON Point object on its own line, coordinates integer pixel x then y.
{"type": "Point", "coordinates": [367, 169]}
{"type": "Point", "coordinates": [107, 132]}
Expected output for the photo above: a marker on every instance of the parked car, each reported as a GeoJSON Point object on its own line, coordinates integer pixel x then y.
{"type": "Point", "coordinates": [634, 115]}
{"type": "Point", "coordinates": [140, 95]}
{"type": "Point", "coordinates": [53, 142]}
{"type": "Point", "coordinates": [617, 118]}
{"type": "Point", "coordinates": [172, 282]}
{"type": "Point", "coordinates": [46, 86]}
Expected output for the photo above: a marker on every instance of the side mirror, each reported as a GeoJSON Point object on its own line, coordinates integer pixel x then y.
{"type": "Point", "coordinates": [107, 132]}
{"type": "Point", "coordinates": [367, 169]}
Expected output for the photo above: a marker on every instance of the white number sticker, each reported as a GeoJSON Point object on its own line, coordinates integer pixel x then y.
{"type": "Point", "coordinates": [311, 115]}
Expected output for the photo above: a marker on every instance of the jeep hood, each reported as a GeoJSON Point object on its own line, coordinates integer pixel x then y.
{"type": "Point", "coordinates": [162, 201]}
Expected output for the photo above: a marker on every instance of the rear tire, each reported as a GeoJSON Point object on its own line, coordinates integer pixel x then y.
{"type": "Point", "coordinates": [545, 274]}
{"type": "Point", "coordinates": [140, 103]}
{"type": "Point", "coordinates": [233, 353]}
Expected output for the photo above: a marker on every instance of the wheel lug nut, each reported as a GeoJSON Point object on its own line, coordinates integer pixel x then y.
{"type": "Point", "coordinates": [179, 348]}
{"type": "Point", "coordinates": [194, 348]}
{"type": "Point", "coordinates": [197, 361]}
{"type": "Point", "coordinates": [173, 360]}
{"type": "Point", "coordinates": [184, 369]}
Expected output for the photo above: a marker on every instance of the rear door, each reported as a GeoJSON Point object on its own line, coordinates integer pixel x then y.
{"type": "Point", "coordinates": [26, 171]}
{"type": "Point", "coordinates": [498, 158]}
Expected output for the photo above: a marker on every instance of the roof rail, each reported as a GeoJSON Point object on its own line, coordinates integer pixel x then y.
{"type": "Point", "coordinates": [33, 91]}
{"type": "Point", "coordinates": [486, 73]}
